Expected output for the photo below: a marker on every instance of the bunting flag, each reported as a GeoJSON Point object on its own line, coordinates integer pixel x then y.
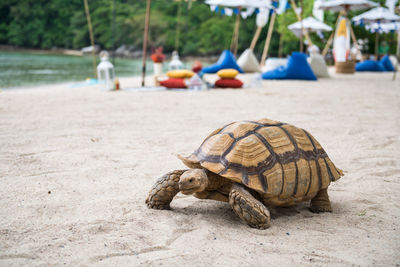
{"type": "Point", "coordinates": [229, 12]}
{"type": "Point", "coordinates": [248, 12]}
{"type": "Point", "coordinates": [283, 5]}
{"type": "Point", "coordinates": [262, 17]}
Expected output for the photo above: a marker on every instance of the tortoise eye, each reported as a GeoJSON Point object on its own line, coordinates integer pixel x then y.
{"type": "Point", "coordinates": [191, 180]}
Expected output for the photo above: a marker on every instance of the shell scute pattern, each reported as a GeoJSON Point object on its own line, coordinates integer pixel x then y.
{"type": "Point", "coordinates": [268, 156]}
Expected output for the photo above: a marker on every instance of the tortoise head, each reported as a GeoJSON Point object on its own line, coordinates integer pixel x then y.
{"type": "Point", "coordinates": [193, 181]}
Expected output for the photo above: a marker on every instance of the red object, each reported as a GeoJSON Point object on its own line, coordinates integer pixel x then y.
{"type": "Point", "coordinates": [174, 83]}
{"type": "Point", "coordinates": [158, 56]}
{"type": "Point", "coordinates": [197, 66]}
{"type": "Point", "coordinates": [228, 83]}
{"type": "Point", "coordinates": [117, 85]}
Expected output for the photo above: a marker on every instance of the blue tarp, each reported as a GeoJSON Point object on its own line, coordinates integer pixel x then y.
{"type": "Point", "coordinates": [225, 61]}
{"type": "Point", "coordinates": [296, 69]}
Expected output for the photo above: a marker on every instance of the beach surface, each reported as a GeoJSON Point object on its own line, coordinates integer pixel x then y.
{"type": "Point", "coordinates": [76, 165]}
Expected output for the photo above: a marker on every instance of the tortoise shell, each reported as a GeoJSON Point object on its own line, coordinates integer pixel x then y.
{"type": "Point", "coordinates": [271, 157]}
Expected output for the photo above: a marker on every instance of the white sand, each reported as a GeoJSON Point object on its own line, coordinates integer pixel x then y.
{"type": "Point", "coordinates": [76, 166]}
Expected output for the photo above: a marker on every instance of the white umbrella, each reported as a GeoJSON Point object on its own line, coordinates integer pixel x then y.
{"type": "Point", "coordinates": [240, 3]}
{"type": "Point", "coordinates": [339, 5]}
{"type": "Point", "coordinates": [383, 27]}
{"type": "Point", "coordinates": [310, 24]}
{"type": "Point", "coordinates": [380, 14]}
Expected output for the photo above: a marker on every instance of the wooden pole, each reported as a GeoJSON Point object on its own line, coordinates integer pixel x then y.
{"type": "Point", "coordinates": [328, 44]}
{"type": "Point", "coordinates": [299, 19]}
{"type": "Point", "coordinates": [177, 31]}
{"type": "Point", "coordinates": [235, 37]}
{"type": "Point", "coordinates": [398, 56]}
{"type": "Point", "coordinates": [302, 28]}
{"type": "Point", "coordinates": [398, 44]}
{"type": "Point", "coordinates": [268, 40]}
{"type": "Point", "coordinates": [255, 38]}
{"type": "Point", "coordinates": [91, 36]}
{"type": "Point", "coordinates": [145, 37]}
{"type": "Point", "coordinates": [376, 45]}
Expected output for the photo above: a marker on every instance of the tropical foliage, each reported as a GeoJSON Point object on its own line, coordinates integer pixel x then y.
{"type": "Point", "coordinates": [59, 23]}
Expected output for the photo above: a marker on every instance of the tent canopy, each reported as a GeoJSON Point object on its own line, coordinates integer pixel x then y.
{"type": "Point", "coordinates": [380, 14]}
{"type": "Point", "coordinates": [338, 5]}
{"type": "Point", "coordinates": [310, 24]}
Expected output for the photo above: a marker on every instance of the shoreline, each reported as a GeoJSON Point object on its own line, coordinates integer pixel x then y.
{"type": "Point", "coordinates": [73, 52]}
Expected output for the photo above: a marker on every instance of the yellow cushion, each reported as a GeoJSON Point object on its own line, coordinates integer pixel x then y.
{"type": "Point", "coordinates": [180, 74]}
{"type": "Point", "coordinates": [227, 73]}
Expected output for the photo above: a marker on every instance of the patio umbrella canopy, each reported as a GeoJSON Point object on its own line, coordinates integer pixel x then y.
{"type": "Point", "coordinates": [339, 5]}
{"type": "Point", "coordinates": [239, 3]}
{"type": "Point", "coordinates": [383, 27]}
{"type": "Point", "coordinates": [310, 24]}
{"type": "Point", "coordinates": [380, 14]}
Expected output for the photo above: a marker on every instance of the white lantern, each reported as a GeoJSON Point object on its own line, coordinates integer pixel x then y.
{"type": "Point", "coordinates": [105, 72]}
{"type": "Point", "coordinates": [175, 63]}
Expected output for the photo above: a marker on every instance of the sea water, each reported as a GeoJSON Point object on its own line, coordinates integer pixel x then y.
{"type": "Point", "coordinates": [21, 69]}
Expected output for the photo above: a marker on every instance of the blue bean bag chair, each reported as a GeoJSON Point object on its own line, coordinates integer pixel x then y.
{"type": "Point", "coordinates": [296, 69]}
{"type": "Point", "coordinates": [386, 63]}
{"type": "Point", "coordinates": [225, 61]}
{"type": "Point", "coordinates": [370, 65]}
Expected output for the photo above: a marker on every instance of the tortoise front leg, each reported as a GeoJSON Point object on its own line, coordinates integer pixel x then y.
{"type": "Point", "coordinates": [164, 190]}
{"type": "Point", "coordinates": [321, 202]}
{"type": "Point", "coordinates": [249, 209]}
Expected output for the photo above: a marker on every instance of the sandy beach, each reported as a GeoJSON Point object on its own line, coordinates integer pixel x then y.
{"type": "Point", "coordinates": [76, 165]}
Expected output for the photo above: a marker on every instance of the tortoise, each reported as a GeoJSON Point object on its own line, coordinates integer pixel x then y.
{"type": "Point", "coordinates": [253, 165]}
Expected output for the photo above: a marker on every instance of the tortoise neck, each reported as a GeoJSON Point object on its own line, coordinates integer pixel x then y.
{"type": "Point", "coordinates": [215, 181]}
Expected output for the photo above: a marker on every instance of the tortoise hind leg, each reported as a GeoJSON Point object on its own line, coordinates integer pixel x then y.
{"type": "Point", "coordinates": [164, 190]}
{"type": "Point", "coordinates": [249, 209]}
{"type": "Point", "coordinates": [321, 202]}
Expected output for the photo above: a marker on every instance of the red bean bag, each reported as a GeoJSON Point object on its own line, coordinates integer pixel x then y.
{"type": "Point", "coordinates": [174, 83]}
{"type": "Point", "coordinates": [228, 83]}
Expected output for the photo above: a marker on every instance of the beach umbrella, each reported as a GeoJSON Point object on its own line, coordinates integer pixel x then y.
{"type": "Point", "coordinates": [376, 15]}
{"type": "Point", "coordinates": [310, 24]}
{"type": "Point", "coordinates": [340, 5]}
{"type": "Point", "coordinates": [383, 27]}
{"type": "Point", "coordinates": [299, 15]}
{"type": "Point", "coordinates": [343, 6]}
{"type": "Point", "coordinates": [240, 3]}
{"type": "Point", "coordinates": [251, 5]}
